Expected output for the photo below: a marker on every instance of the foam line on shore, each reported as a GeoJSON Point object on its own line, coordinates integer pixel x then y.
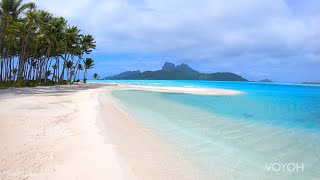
{"type": "Point", "coordinates": [187, 90]}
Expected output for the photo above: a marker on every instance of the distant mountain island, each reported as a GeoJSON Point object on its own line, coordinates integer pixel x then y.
{"type": "Point", "coordinates": [265, 80]}
{"type": "Point", "coordinates": [170, 71]}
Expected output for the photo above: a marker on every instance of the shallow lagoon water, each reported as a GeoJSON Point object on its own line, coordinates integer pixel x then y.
{"type": "Point", "coordinates": [234, 137]}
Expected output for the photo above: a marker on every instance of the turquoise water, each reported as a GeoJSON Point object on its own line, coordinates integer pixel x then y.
{"type": "Point", "coordinates": [233, 137]}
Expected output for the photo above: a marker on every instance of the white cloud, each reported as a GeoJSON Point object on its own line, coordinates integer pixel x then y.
{"type": "Point", "coordinates": [213, 28]}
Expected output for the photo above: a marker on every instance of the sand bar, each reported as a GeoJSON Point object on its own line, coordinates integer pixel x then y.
{"type": "Point", "coordinates": [188, 90]}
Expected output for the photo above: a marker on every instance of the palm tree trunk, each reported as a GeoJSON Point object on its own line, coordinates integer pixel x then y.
{"type": "Point", "coordinates": [30, 71]}
{"type": "Point", "coordinates": [62, 73]}
{"type": "Point", "coordinates": [85, 76]}
{"type": "Point", "coordinates": [22, 57]}
{"type": "Point", "coordinates": [63, 68]}
{"type": "Point", "coordinates": [1, 69]}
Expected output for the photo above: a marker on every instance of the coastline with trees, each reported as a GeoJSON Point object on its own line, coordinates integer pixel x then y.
{"type": "Point", "coordinates": [38, 48]}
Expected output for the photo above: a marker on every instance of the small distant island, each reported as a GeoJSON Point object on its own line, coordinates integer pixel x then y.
{"type": "Point", "coordinates": [171, 71]}
{"type": "Point", "coordinates": [318, 83]}
{"type": "Point", "coordinates": [266, 80]}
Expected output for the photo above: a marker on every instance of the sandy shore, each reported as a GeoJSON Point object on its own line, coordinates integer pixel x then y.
{"type": "Point", "coordinates": [79, 132]}
{"type": "Point", "coordinates": [52, 133]}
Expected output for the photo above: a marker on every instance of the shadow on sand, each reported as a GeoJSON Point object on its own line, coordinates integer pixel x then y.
{"type": "Point", "coordinates": [59, 90]}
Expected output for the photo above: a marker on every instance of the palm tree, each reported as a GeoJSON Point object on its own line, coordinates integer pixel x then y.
{"type": "Point", "coordinates": [95, 76]}
{"type": "Point", "coordinates": [79, 68]}
{"type": "Point", "coordinates": [88, 64]}
{"type": "Point", "coordinates": [34, 43]}
{"type": "Point", "coordinates": [15, 7]}
{"type": "Point", "coordinates": [86, 45]}
{"type": "Point", "coordinates": [71, 43]}
{"type": "Point", "coordinates": [48, 73]}
{"type": "Point", "coordinates": [72, 72]}
{"type": "Point", "coordinates": [11, 9]}
{"type": "Point", "coordinates": [54, 67]}
{"type": "Point", "coordinates": [69, 65]}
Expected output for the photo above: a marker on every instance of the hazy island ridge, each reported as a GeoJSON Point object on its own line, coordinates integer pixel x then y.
{"type": "Point", "coordinates": [171, 71]}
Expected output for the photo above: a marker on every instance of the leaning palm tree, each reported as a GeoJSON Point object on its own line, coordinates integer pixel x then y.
{"type": "Point", "coordinates": [95, 76]}
{"type": "Point", "coordinates": [85, 46]}
{"type": "Point", "coordinates": [88, 64]}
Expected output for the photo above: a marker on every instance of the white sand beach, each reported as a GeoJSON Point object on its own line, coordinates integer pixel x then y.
{"type": "Point", "coordinates": [79, 132]}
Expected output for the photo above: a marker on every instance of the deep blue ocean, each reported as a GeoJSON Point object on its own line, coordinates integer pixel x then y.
{"type": "Point", "coordinates": [234, 136]}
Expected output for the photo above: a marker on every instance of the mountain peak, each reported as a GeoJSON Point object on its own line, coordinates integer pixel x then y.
{"type": "Point", "coordinates": [183, 67]}
{"type": "Point", "coordinates": [168, 66]}
{"type": "Point", "coordinates": [172, 67]}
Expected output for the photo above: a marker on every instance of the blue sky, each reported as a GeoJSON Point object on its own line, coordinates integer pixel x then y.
{"type": "Point", "coordinates": [258, 39]}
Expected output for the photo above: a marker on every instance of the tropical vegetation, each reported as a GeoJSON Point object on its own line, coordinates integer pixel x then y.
{"type": "Point", "coordinates": [95, 76]}
{"type": "Point", "coordinates": [38, 48]}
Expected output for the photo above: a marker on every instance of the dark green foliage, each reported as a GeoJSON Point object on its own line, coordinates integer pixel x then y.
{"type": "Point", "coordinates": [221, 76]}
{"type": "Point", "coordinates": [124, 75]}
{"type": "Point", "coordinates": [30, 83]}
{"type": "Point", "coordinates": [37, 48]}
{"type": "Point", "coordinates": [95, 76]}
